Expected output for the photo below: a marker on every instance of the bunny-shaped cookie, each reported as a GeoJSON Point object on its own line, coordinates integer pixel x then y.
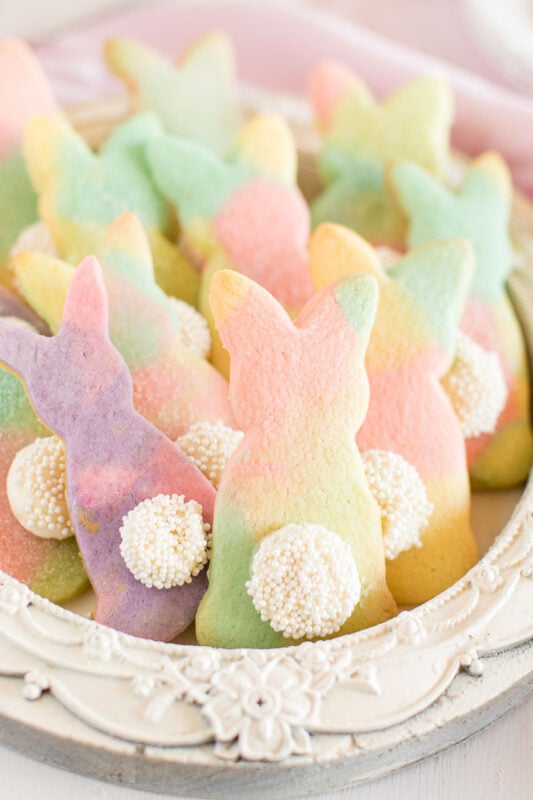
{"type": "Point", "coordinates": [479, 210]}
{"type": "Point", "coordinates": [299, 393]}
{"type": "Point", "coordinates": [81, 193]}
{"type": "Point", "coordinates": [245, 213]}
{"type": "Point", "coordinates": [411, 347]}
{"type": "Point", "coordinates": [197, 99]}
{"type": "Point", "coordinates": [81, 388]}
{"type": "Point", "coordinates": [49, 567]}
{"type": "Point", "coordinates": [173, 387]}
{"type": "Point", "coordinates": [362, 136]}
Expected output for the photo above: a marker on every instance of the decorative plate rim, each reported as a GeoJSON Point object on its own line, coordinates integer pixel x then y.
{"type": "Point", "coordinates": [280, 705]}
{"type": "Point", "coordinates": [266, 705]}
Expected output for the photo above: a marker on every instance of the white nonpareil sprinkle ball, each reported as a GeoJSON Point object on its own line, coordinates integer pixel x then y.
{"type": "Point", "coordinates": [210, 444]}
{"type": "Point", "coordinates": [304, 581]}
{"type": "Point", "coordinates": [35, 238]}
{"type": "Point", "coordinates": [476, 387]}
{"type": "Point", "coordinates": [165, 541]}
{"type": "Point", "coordinates": [194, 329]}
{"type": "Point", "coordinates": [36, 485]}
{"type": "Point", "coordinates": [401, 496]}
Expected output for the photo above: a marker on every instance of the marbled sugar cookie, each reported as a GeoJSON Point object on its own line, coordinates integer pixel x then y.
{"type": "Point", "coordinates": [500, 456]}
{"type": "Point", "coordinates": [138, 505]}
{"type": "Point", "coordinates": [361, 136]}
{"type": "Point", "coordinates": [172, 386]}
{"type": "Point", "coordinates": [197, 100]}
{"type": "Point", "coordinates": [411, 347]}
{"type": "Point", "coordinates": [14, 308]}
{"type": "Point", "coordinates": [49, 566]}
{"type": "Point", "coordinates": [245, 213]}
{"type": "Point", "coordinates": [297, 546]}
{"type": "Point", "coordinates": [81, 193]}
{"type": "Point", "coordinates": [24, 92]}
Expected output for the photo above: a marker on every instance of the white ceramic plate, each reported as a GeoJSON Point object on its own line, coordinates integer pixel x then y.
{"type": "Point", "coordinates": [201, 722]}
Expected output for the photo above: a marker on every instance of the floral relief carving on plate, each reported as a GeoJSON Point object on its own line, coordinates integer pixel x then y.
{"type": "Point", "coordinates": [269, 705]}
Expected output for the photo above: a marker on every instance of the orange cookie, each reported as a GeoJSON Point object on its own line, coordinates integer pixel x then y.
{"type": "Point", "coordinates": [411, 347]}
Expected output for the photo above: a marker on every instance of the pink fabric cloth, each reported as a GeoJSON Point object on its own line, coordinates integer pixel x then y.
{"type": "Point", "coordinates": [438, 28]}
{"type": "Point", "coordinates": [279, 43]}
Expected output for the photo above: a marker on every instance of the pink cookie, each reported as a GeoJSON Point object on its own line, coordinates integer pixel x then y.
{"type": "Point", "coordinates": [24, 93]}
{"type": "Point", "coordinates": [411, 348]}
{"type": "Point", "coordinates": [299, 393]}
{"type": "Point", "coordinates": [245, 213]}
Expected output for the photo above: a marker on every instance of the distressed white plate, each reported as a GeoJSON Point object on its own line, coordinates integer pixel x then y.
{"type": "Point", "coordinates": [201, 722]}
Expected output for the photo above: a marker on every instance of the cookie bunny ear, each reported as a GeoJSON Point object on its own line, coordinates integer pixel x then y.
{"type": "Point", "coordinates": [335, 252]}
{"type": "Point", "coordinates": [410, 183]}
{"type": "Point", "coordinates": [357, 297]}
{"type": "Point", "coordinates": [193, 179]}
{"type": "Point", "coordinates": [126, 247]}
{"type": "Point", "coordinates": [267, 146]}
{"type": "Point", "coordinates": [175, 274]}
{"type": "Point", "coordinates": [244, 311]}
{"type": "Point", "coordinates": [136, 131]}
{"type": "Point", "coordinates": [438, 275]}
{"type": "Point", "coordinates": [491, 166]}
{"type": "Point", "coordinates": [211, 52]}
{"type": "Point", "coordinates": [141, 67]}
{"type": "Point", "coordinates": [413, 123]}
{"type": "Point", "coordinates": [138, 65]}
{"type": "Point", "coordinates": [196, 100]}
{"type": "Point", "coordinates": [328, 85]}
{"type": "Point", "coordinates": [44, 282]}
{"type": "Point", "coordinates": [24, 92]}
{"type": "Point", "coordinates": [423, 109]}
{"type": "Point", "coordinates": [49, 141]}
{"type": "Point", "coordinates": [479, 211]}
{"type": "Point", "coordinates": [209, 76]}
{"type": "Point", "coordinates": [86, 305]}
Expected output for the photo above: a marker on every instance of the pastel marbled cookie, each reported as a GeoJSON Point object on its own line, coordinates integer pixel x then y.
{"type": "Point", "coordinates": [480, 211]}
{"type": "Point", "coordinates": [13, 307]}
{"type": "Point", "coordinates": [355, 195]}
{"type": "Point", "coordinates": [115, 459]}
{"type": "Point", "coordinates": [24, 92]}
{"type": "Point", "coordinates": [172, 387]}
{"type": "Point", "coordinates": [411, 347]}
{"type": "Point", "coordinates": [245, 213]}
{"type": "Point", "coordinates": [362, 136]}
{"type": "Point", "coordinates": [196, 100]}
{"type": "Point", "coordinates": [299, 393]}
{"type": "Point", "coordinates": [81, 193]}
{"type": "Point", "coordinates": [49, 567]}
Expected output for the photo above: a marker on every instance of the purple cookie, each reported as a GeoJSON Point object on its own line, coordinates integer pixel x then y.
{"type": "Point", "coordinates": [81, 388]}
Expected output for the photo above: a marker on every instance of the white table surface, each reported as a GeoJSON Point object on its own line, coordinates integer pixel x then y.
{"type": "Point", "coordinates": [497, 764]}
